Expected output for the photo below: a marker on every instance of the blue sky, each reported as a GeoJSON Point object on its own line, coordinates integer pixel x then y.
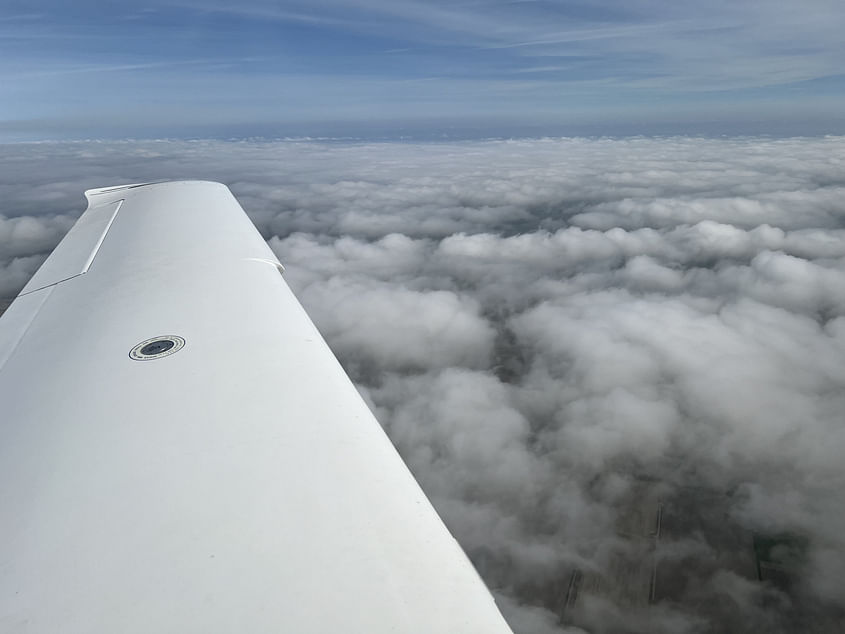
{"type": "Point", "coordinates": [359, 67]}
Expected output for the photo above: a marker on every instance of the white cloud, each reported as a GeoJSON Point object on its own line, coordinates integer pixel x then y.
{"type": "Point", "coordinates": [544, 326]}
{"type": "Point", "coordinates": [398, 328]}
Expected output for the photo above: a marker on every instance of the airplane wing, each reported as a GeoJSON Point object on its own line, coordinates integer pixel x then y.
{"type": "Point", "coordinates": [181, 452]}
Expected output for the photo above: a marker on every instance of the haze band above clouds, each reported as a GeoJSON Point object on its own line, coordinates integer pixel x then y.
{"type": "Point", "coordinates": [542, 325]}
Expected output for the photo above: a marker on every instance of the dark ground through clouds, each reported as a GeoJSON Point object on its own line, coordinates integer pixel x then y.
{"type": "Point", "coordinates": [617, 367]}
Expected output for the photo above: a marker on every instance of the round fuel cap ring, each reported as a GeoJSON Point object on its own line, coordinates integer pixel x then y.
{"type": "Point", "coordinates": [157, 347]}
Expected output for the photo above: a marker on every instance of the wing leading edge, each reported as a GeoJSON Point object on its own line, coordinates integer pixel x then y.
{"type": "Point", "coordinates": [236, 483]}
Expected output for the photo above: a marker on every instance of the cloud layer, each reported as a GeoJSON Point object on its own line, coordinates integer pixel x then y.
{"type": "Point", "coordinates": [568, 340]}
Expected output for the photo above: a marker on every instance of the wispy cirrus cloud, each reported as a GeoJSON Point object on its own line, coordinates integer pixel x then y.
{"type": "Point", "coordinates": [698, 63]}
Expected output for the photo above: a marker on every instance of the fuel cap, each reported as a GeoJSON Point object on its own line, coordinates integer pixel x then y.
{"type": "Point", "coordinates": [157, 347]}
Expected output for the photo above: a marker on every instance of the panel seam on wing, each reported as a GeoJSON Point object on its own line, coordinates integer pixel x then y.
{"type": "Point", "coordinates": [90, 259]}
{"type": "Point", "coordinates": [97, 246]}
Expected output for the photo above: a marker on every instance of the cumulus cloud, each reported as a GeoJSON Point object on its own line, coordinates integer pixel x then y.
{"type": "Point", "coordinates": [393, 327]}
{"type": "Point", "coordinates": [617, 367]}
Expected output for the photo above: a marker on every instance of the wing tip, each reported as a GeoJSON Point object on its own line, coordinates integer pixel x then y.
{"type": "Point", "coordinates": [91, 194]}
{"type": "Point", "coordinates": [113, 188]}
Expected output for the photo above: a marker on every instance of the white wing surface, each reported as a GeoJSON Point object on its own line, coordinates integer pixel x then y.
{"type": "Point", "coordinates": [180, 452]}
